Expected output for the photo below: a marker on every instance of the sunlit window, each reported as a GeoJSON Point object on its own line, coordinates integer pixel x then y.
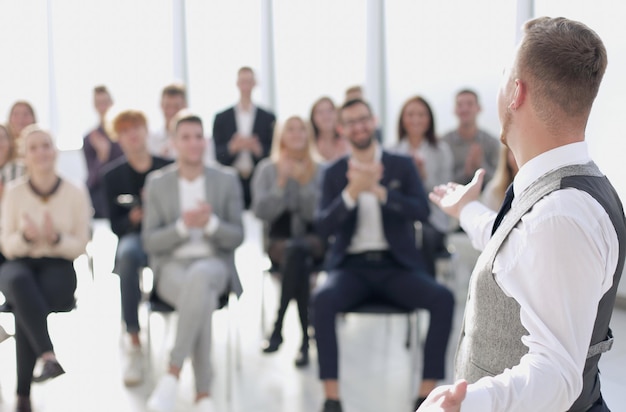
{"type": "Point", "coordinates": [436, 48]}
{"type": "Point", "coordinates": [320, 50]}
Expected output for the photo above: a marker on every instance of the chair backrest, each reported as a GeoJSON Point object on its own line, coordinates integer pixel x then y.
{"type": "Point", "coordinates": [6, 308]}
{"type": "Point", "coordinates": [377, 306]}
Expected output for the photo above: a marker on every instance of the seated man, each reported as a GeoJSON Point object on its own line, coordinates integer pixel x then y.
{"type": "Point", "coordinates": [191, 228]}
{"type": "Point", "coordinates": [472, 148]}
{"type": "Point", "coordinates": [123, 183]}
{"type": "Point", "coordinates": [369, 203]}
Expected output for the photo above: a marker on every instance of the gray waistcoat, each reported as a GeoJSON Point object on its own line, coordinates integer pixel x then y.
{"type": "Point", "coordinates": [490, 340]}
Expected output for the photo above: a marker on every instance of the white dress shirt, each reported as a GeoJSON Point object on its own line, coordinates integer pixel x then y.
{"type": "Point", "coordinates": [369, 233]}
{"type": "Point", "coordinates": [244, 119]}
{"type": "Point", "coordinates": [557, 263]}
{"type": "Point", "coordinates": [191, 193]}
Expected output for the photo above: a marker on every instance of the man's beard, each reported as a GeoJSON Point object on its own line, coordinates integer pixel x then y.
{"type": "Point", "coordinates": [364, 144]}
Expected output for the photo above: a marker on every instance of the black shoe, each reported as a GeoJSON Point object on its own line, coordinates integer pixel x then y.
{"type": "Point", "coordinates": [418, 403]}
{"type": "Point", "coordinates": [51, 369]}
{"type": "Point", "coordinates": [302, 359]}
{"type": "Point", "coordinates": [23, 404]}
{"type": "Point", "coordinates": [272, 344]}
{"type": "Point", "coordinates": [332, 405]}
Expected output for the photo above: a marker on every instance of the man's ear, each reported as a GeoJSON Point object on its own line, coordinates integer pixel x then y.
{"type": "Point", "coordinates": [519, 95]}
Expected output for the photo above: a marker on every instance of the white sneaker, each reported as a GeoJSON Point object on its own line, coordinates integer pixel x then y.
{"type": "Point", "coordinates": [204, 405]}
{"type": "Point", "coordinates": [133, 369]}
{"type": "Point", "coordinates": [163, 398]}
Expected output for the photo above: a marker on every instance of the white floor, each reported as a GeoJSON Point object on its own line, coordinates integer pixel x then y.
{"type": "Point", "coordinates": [377, 370]}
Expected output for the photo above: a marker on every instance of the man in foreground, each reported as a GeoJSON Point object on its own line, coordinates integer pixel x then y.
{"type": "Point", "coordinates": [543, 290]}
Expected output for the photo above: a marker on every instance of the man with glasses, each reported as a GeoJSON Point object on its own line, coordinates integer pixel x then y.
{"type": "Point", "coordinates": [368, 206]}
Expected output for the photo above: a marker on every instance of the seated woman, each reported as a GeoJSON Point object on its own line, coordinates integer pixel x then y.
{"type": "Point", "coordinates": [21, 115]}
{"type": "Point", "coordinates": [10, 169]}
{"type": "Point", "coordinates": [284, 196]}
{"type": "Point", "coordinates": [433, 160]}
{"type": "Point", "coordinates": [45, 226]}
{"type": "Point", "coordinates": [330, 145]}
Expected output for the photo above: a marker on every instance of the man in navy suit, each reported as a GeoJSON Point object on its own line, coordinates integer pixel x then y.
{"type": "Point", "coordinates": [370, 201]}
{"type": "Point", "coordinates": [243, 133]}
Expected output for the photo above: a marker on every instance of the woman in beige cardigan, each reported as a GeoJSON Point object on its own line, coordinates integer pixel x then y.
{"type": "Point", "coordinates": [45, 226]}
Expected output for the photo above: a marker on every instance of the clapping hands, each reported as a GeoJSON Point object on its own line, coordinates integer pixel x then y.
{"type": "Point", "coordinates": [47, 233]}
{"type": "Point", "coordinates": [365, 177]}
{"type": "Point", "coordinates": [198, 217]}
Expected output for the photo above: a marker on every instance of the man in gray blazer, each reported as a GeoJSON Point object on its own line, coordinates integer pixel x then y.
{"type": "Point", "coordinates": [191, 228]}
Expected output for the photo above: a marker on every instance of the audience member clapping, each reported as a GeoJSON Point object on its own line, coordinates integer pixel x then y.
{"type": "Point", "coordinates": [45, 226]}
{"type": "Point", "coordinates": [285, 190]}
{"type": "Point", "coordinates": [433, 160]}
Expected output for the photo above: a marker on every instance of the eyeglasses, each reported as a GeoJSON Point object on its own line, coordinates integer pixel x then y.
{"type": "Point", "coordinates": [350, 123]}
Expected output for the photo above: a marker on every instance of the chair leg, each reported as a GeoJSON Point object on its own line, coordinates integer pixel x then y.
{"type": "Point", "coordinates": [263, 276]}
{"type": "Point", "coordinates": [415, 352]}
{"type": "Point", "coordinates": [407, 343]}
{"type": "Point", "coordinates": [233, 349]}
{"type": "Point", "coordinates": [149, 336]}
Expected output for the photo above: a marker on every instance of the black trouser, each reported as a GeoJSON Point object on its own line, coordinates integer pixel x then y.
{"type": "Point", "coordinates": [247, 192]}
{"type": "Point", "coordinates": [296, 259]}
{"type": "Point", "coordinates": [34, 288]}
{"type": "Point", "coordinates": [377, 276]}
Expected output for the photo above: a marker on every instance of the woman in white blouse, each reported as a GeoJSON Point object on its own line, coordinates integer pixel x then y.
{"type": "Point", "coordinates": [433, 160]}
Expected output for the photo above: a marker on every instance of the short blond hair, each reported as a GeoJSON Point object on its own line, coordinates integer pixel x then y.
{"type": "Point", "coordinates": [27, 131]}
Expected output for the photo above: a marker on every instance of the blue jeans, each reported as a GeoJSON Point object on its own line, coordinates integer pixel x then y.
{"type": "Point", "coordinates": [129, 259]}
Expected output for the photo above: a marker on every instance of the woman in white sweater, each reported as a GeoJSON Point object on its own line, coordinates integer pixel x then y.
{"type": "Point", "coordinates": [45, 226]}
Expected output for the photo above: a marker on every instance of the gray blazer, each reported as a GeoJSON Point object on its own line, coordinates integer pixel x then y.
{"type": "Point", "coordinates": [162, 210]}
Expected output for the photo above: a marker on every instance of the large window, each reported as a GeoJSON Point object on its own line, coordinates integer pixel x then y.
{"type": "Point", "coordinates": [222, 36]}
{"type": "Point", "coordinates": [24, 51]}
{"type": "Point", "coordinates": [125, 45]}
{"type": "Point", "coordinates": [55, 52]}
{"type": "Point", "coordinates": [320, 50]}
{"type": "Point", "coordinates": [436, 48]}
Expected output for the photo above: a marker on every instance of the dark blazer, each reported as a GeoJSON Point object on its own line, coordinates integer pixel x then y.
{"type": "Point", "coordinates": [225, 126]}
{"type": "Point", "coordinates": [406, 203]}
{"type": "Point", "coordinates": [120, 178]}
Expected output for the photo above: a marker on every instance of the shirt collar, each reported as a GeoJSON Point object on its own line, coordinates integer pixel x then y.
{"type": "Point", "coordinates": [240, 109]}
{"type": "Point", "coordinates": [571, 154]}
